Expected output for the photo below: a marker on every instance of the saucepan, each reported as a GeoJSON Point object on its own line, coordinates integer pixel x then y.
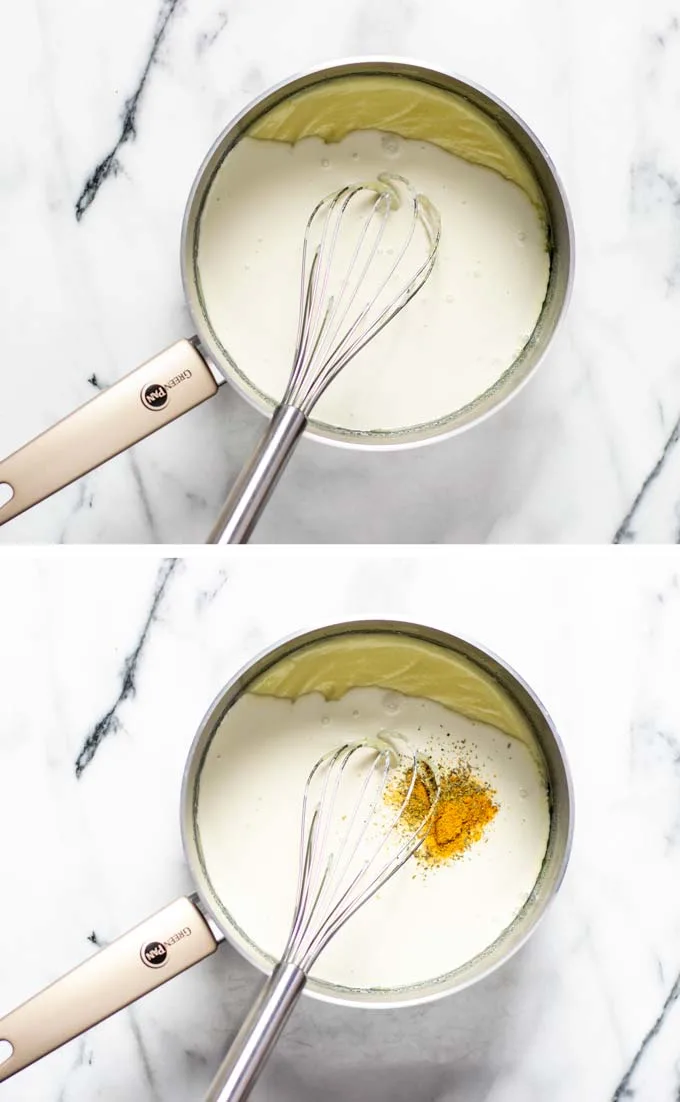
{"type": "Point", "coordinates": [190, 371]}
{"type": "Point", "coordinates": [190, 929]}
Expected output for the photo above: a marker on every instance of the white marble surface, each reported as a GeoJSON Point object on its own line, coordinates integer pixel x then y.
{"type": "Point", "coordinates": [586, 453]}
{"type": "Point", "coordinates": [587, 1011]}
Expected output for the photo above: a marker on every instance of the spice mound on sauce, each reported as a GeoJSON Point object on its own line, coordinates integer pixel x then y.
{"type": "Point", "coordinates": [464, 808]}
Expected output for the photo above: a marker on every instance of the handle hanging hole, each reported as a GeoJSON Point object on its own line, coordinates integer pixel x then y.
{"type": "Point", "coordinates": [6, 495]}
{"type": "Point", "coordinates": [6, 1051]}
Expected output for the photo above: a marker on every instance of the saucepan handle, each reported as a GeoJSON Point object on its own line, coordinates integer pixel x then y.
{"type": "Point", "coordinates": [162, 389]}
{"type": "Point", "coordinates": [146, 957]}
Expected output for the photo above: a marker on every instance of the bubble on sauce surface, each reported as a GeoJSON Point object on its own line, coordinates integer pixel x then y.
{"type": "Point", "coordinates": [390, 144]}
{"type": "Point", "coordinates": [391, 703]}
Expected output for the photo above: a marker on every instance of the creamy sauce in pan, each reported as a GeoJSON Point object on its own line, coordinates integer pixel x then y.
{"type": "Point", "coordinates": [425, 922]}
{"type": "Point", "coordinates": [451, 344]}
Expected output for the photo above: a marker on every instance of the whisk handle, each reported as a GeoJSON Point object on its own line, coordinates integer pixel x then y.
{"type": "Point", "coordinates": [257, 1036]}
{"type": "Point", "coordinates": [253, 487]}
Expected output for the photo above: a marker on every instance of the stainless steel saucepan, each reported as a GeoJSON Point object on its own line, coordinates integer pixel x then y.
{"type": "Point", "coordinates": [190, 371]}
{"type": "Point", "coordinates": [190, 929]}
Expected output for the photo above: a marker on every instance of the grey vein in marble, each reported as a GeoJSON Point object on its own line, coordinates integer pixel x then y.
{"type": "Point", "coordinates": [662, 38]}
{"type": "Point", "coordinates": [205, 39]}
{"type": "Point", "coordinates": [83, 500]}
{"type": "Point", "coordinates": [110, 165]}
{"type": "Point", "coordinates": [625, 1089]}
{"type": "Point", "coordinates": [145, 1059]}
{"type": "Point", "coordinates": [654, 186]}
{"type": "Point", "coordinates": [626, 532]}
{"type": "Point", "coordinates": [79, 1061]}
{"type": "Point", "coordinates": [207, 596]}
{"type": "Point", "coordinates": [109, 723]}
{"type": "Point", "coordinates": [143, 496]}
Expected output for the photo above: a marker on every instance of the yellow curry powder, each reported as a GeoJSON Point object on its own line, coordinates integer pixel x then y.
{"type": "Point", "coordinates": [464, 808]}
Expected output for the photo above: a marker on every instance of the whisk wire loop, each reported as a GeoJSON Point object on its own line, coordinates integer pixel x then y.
{"type": "Point", "coordinates": [350, 845]}
{"type": "Point", "coordinates": [314, 842]}
{"type": "Point", "coordinates": [340, 310]}
{"type": "Point", "coordinates": [351, 283]}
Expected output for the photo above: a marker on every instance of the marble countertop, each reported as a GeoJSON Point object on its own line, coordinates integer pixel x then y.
{"type": "Point", "coordinates": [113, 107]}
{"type": "Point", "coordinates": [108, 664]}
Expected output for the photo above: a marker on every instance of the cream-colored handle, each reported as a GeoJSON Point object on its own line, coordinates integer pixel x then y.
{"type": "Point", "coordinates": [146, 957]}
{"type": "Point", "coordinates": [156, 393]}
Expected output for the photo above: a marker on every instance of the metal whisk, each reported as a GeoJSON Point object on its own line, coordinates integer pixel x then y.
{"type": "Point", "coordinates": [350, 290]}
{"type": "Point", "coordinates": [351, 843]}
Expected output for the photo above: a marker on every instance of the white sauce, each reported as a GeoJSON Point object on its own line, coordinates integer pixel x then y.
{"type": "Point", "coordinates": [452, 342]}
{"type": "Point", "coordinates": [426, 921]}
